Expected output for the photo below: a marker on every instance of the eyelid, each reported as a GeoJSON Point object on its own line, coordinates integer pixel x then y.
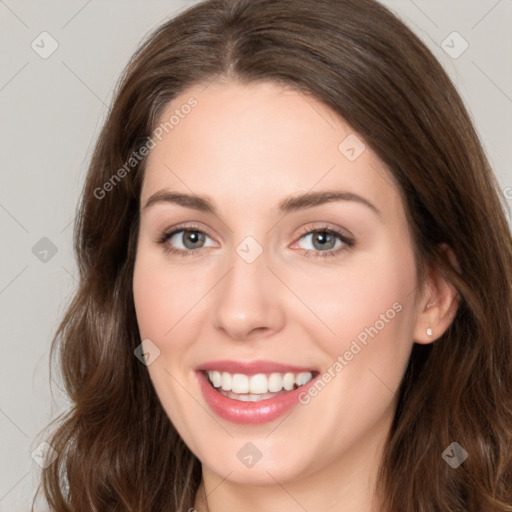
{"type": "Point", "coordinates": [184, 227]}
{"type": "Point", "coordinates": [323, 226]}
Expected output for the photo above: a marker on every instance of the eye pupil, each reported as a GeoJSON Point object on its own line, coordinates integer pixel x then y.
{"type": "Point", "coordinates": [325, 239]}
{"type": "Point", "coordinates": [194, 237]}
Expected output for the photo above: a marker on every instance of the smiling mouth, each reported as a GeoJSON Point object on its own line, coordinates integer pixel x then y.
{"type": "Point", "coordinates": [257, 387]}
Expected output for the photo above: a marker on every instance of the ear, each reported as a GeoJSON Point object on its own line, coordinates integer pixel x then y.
{"type": "Point", "coordinates": [438, 303]}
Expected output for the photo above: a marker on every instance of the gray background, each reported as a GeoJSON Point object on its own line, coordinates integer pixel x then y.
{"type": "Point", "coordinates": [51, 111]}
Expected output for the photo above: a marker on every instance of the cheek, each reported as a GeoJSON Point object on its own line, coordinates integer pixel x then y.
{"type": "Point", "coordinates": [164, 297]}
{"type": "Point", "coordinates": [367, 310]}
{"type": "Point", "coordinates": [163, 294]}
{"type": "Point", "coordinates": [152, 298]}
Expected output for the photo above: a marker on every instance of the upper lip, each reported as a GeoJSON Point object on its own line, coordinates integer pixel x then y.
{"type": "Point", "coordinates": [252, 367]}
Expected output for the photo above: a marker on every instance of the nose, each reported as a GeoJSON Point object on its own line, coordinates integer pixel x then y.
{"type": "Point", "coordinates": [248, 300]}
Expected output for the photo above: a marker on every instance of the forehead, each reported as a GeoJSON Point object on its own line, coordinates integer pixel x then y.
{"type": "Point", "coordinates": [252, 144]}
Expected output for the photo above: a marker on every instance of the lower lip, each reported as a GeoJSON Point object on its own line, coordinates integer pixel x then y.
{"type": "Point", "coordinates": [240, 412]}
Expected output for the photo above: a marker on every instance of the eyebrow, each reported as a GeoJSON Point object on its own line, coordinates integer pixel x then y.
{"type": "Point", "coordinates": [288, 205]}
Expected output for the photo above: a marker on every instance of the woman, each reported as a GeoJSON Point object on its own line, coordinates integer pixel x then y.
{"type": "Point", "coordinates": [295, 277]}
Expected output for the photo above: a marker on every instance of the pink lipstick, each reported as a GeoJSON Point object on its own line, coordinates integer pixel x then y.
{"type": "Point", "coordinates": [252, 392]}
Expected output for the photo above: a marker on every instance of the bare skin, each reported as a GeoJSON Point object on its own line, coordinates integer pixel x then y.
{"type": "Point", "coordinates": [247, 148]}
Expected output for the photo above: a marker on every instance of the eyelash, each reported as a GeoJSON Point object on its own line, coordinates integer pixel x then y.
{"type": "Point", "coordinates": [347, 241]}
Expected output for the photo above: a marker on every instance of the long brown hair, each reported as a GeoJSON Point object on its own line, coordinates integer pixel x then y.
{"type": "Point", "coordinates": [117, 449]}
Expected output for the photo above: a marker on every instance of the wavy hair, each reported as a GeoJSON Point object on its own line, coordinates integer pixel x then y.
{"type": "Point", "coordinates": [117, 449]}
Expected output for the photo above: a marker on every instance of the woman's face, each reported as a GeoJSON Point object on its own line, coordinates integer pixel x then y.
{"type": "Point", "coordinates": [273, 248]}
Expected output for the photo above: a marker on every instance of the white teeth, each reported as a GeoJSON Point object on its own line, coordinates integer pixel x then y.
{"type": "Point", "coordinates": [240, 383]}
{"type": "Point", "coordinates": [275, 382]}
{"type": "Point", "coordinates": [216, 378]}
{"type": "Point", "coordinates": [226, 381]}
{"type": "Point", "coordinates": [288, 381]}
{"type": "Point", "coordinates": [254, 386]}
{"type": "Point", "coordinates": [258, 384]}
{"type": "Point", "coordinates": [248, 397]}
{"type": "Point", "coordinates": [303, 378]}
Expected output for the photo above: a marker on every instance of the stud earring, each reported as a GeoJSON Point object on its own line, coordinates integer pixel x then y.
{"type": "Point", "coordinates": [429, 332]}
